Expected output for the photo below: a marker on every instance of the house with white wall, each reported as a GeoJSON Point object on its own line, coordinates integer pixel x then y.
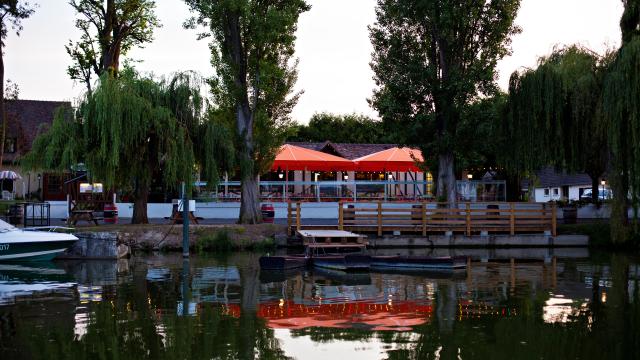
{"type": "Point", "coordinates": [552, 185]}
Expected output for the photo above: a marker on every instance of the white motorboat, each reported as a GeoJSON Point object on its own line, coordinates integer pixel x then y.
{"type": "Point", "coordinates": [32, 244]}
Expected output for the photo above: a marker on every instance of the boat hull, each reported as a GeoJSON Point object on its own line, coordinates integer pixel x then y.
{"type": "Point", "coordinates": [33, 251]}
{"type": "Point", "coordinates": [349, 262]}
{"type": "Point", "coordinates": [418, 262]}
{"type": "Point", "coordinates": [282, 262]}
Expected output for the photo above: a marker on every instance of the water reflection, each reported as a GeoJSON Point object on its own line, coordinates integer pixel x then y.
{"type": "Point", "coordinates": [164, 306]}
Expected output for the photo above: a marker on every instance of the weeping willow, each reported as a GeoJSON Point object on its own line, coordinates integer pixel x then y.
{"type": "Point", "coordinates": [132, 130]}
{"type": "Point", "coordinates": [621, 99]}
{"type": "Point", "coordinates": [554, 115]}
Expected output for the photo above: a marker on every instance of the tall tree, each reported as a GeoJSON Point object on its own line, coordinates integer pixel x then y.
{"type": "Point", "coordinates": [348, 128]}
{"type": "Point", "coordinates": [132, 130]}
{"type": "Point", "coordinates": [622, 111]}
{"type": "Point", "coordinates": [12, 12]}
{"type": "Point", "coordinates": [108, 29]}
{"type": "Point", "coordinates": [555, 116]}
{"type": "Point", "coordinates": [252, 48]}
{"type": "Point", "coordinates": [431, 59]}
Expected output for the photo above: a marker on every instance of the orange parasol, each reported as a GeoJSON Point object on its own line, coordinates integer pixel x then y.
{"type": "Point", "coordinates": [291, 157]}
{"type": "Point", "coordinates": [394, 159]}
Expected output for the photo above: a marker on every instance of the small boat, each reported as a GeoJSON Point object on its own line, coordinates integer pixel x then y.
{"type": "Point", "coordinates": [418, 262]}
{"type": "Point", "coordinates": [31, 245]}
{"type": "Point", "coordinates": [345, 262]}
{"type": "Point", "coordinates": [284, 262]}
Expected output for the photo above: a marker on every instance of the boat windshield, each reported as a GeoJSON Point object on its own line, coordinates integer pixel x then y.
{"type": "Point", "coordinates": [4, 226]}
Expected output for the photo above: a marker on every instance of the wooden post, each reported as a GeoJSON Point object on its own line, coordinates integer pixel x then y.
{"type": "Point", "coordinates": [289, 220]}
{"type": "Point", "coordinates": [379, 218]}
{"type": "Point", "coordinates": [468, 220]}
{"type": "Point", "coordinates": [512, 219]}
{"type": "Point", "coordinates": [298, 208]}
{"type": "Point", "coordinates": [340, 216]}
{"type": "Point", "coordinates": [554, 273]}
{"type": "Point", "coordinates": [554, 219]}
{"type": "Point", "coordinates": [424, 219]}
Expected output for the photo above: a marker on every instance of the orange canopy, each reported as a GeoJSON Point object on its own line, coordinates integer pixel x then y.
{"type": "Point", "coordinates": [291, 157]}
{"type": "Point", "coordinates": [394, 159]}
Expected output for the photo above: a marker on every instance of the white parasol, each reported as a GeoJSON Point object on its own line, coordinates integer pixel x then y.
{"type": "Point", "coordinates": [10, 175]}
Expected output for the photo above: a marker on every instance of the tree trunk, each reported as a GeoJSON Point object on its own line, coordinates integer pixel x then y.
{"type": "Point", "coordinates": [141, 193]}
{"type": "Point", "coordinates": [250, 201]}
{"type": "Point", "coordinates": [446, 178]}
{"type": "Point", "coordinates": [619, 182]}
{"type": "Point", "coordinates": [3, 113]}
{"type": "Point", "coordinates": [249, 183]}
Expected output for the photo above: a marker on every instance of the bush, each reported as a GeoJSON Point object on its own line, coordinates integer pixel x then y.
{"type": "Point", "coordinates": [219, 241]}
{"type": "Point", "coordinates": [266, 244]}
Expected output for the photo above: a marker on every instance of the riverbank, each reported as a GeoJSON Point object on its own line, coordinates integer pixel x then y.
{"type": "Point", "coordinates": [155, 237]}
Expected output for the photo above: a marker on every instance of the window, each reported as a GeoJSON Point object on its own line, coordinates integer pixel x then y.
{"type": "Point", "coordinates": [10, 145]}
{"type": "Point", "coordinates": [555, 192]}
{"type": "Point", "coordinates": [54, 184]}
{"type": "Point", "coordinates": [546, 192]}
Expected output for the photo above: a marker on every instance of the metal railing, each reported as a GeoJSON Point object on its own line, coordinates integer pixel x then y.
{"type": "Point", "coordinates": [319, 191]}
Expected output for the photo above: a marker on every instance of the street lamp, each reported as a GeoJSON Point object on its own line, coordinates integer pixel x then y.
{"type": "Point", "coordinates": [346, 177]}
{"type": "Point", "coordinates": [280, 175]}
{"type": "Point", "coordinates": [39, 187]}
{"type": "Point", "coordinates": [603, 182]}
{"type": "Point", "coordinates": [469, 176]}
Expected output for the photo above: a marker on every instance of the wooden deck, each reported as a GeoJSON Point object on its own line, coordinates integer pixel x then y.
{"type": "Point", "coordinates": [428, 217]}
{"type": "Point", "coordinates": [331, 238]}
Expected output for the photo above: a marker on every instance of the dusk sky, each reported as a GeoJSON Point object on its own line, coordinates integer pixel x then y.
{"type": "Point", "coordinates": [333, 47]}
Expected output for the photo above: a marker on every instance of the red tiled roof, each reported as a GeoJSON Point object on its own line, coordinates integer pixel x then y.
{"type": "Point", "coordinates": [347, 151]}
{"type": "Point", "coordinates": [25, 118]}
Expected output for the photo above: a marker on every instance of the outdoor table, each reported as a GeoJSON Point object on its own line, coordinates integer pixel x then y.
{"type": "Point", "coordinates": [86, 215]}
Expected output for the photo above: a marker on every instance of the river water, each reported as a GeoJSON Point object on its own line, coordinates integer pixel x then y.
{"type": "Point", "coordinates": [573, 305]}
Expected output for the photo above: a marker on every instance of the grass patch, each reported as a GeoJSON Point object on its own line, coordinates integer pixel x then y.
{"type": "Point", "coordinates": [219, 241]}
{"type": "Point", "coordinates": [266, 244]}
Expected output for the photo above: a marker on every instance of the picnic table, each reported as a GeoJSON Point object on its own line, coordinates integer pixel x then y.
{"type": "Point", "coordinates": [86, 215]}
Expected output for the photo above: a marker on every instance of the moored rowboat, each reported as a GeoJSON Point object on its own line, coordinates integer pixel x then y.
{"type": "Point", "coordinates": [346, 262]}
{"type": "Point", "coordinates": [418, 262]}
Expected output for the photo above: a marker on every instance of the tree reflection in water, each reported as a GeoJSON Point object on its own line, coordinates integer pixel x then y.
{"type": "Point", "coordinates": [489, 316]}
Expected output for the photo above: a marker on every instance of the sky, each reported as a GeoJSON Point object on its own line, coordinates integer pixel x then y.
{"type": "Point", "coordinates": [333, 48]}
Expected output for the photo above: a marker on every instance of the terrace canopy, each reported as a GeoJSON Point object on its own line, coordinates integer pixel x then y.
{"type": "Point", "coordinates": [394, 159]}
{"type": "Point", "coordinates": [291, 157]}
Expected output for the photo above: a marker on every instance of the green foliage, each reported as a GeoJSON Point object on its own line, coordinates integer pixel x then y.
{"type": "Point", "coordinates": [133, 129]}
{"type": "Point", "coordinates": [630, 20]}
{"type": "Point", "coordinates": [12, 12]}
{"type": "Point", "coordinates": [620, 99]}
{"type": "Point", "coordinates": [220, 241]}
{"type": "Point", "coordinates": [108, 29]}
{"type": "Point", "coordinates": [266, 244]}
{"type": "Point", "coordinates": [252, 47]}
{"type": "Point", "coordinates": [476, 142]}
{"type": "Point", "coordinates": [555, 115]}
{"type": "Point", "coordinates": [349, 128]}
{"type": "Point", "coordinates": [431, 60]}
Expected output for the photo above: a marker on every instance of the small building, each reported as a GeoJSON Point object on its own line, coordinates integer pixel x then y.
{"type": "Point", "coordinates": [26, 119]}
{"type": "Point", "coordinates": [552, 185]}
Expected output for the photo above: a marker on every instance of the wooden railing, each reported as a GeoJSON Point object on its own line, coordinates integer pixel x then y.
{"type": "Point", "coordinates": [429, 217]}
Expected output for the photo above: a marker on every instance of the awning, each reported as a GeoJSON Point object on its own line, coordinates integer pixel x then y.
{"type": "Point", "coordinates": [394, 159]}
{"type": "Point", "coordinates": [291, 157]}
